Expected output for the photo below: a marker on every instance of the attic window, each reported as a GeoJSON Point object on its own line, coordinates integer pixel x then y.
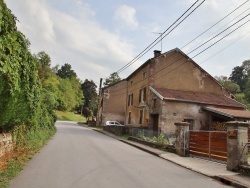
{"type": "Point", "coordinates": [144, 75]}
{"type": "Point", "coordinates": [154, 103]}
{"type": "Point", "coordinates": [131, 82]}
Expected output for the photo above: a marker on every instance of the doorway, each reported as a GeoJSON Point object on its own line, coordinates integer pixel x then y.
{"type": "Point", "coordinates": [155, 122]}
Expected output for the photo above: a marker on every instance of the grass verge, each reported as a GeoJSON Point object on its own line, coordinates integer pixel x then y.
{"type": "Point", "coordinates": [12, 163]}
{"type": "Point", "coordinates": [69, 116]}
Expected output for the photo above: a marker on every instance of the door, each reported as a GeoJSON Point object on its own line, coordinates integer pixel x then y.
{"type": "Point", "coordinates": [155, 122]}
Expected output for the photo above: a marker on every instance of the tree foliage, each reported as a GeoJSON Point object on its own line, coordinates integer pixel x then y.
{"type": "Point", "coordinates": [21, 92]}
{"type": "Point", "coordinates": [239, 82]}
{"type": "Point", "coordinates": [232, 87]}
{"type": "Point", "coordinates": [66, 72]}
{"type": "Point", "coordinates": [112, 79]}
{"type": "Point", "coordinates": [90, 97]}
{"type": "Point", "coordinates": [30, 89]}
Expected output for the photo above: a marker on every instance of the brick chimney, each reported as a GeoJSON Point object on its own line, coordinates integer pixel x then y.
{"type": "Point", "coordinates": [157, 53]}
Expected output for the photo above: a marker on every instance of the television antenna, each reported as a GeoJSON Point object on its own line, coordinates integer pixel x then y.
{"type": "Point", "coordinates": [161, 37]}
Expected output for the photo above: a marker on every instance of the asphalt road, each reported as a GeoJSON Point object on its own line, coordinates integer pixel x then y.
{"type": "Point", "coordinates": [78, 157]}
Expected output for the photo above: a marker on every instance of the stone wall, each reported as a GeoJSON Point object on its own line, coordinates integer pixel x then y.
{"type": "Point", "coordinates": [117, 130]}
{"type": "Point", "coordinates": [6, 144]}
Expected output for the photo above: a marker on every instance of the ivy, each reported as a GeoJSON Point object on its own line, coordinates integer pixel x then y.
{"type": "Point", "coordinates": [21, 97]}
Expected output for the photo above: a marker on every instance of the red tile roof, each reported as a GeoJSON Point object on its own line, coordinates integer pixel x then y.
{"type": "Point", "coordinates": [196, 97]}
{"type": "Point", "coordinates": [229, 112]}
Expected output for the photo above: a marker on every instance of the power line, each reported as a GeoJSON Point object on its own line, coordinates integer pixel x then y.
{"type": "Point", "coordinates": [139, 55]}
{"type": "Point", "coordinates": [220, 39]}
{"type": "Point", "coordinates": [183, 57]}
{"type": "Point", "coordinates": [218, 34]}
{"type": "Point", "coordinates": [168, 32]}
{"type": "Point", "coordinates": [225, 25]}
{"type": "Point", "coordinates": [214, 24]}
{"type": "Point", "coordinates": [205, 42]}
{"type": "Point", "coordinates": [225, 47]}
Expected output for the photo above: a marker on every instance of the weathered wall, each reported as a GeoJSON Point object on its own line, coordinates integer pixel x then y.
{"type": "Point", "coordinates": [175, 71]}
{"type": "Point", "coordinates": [6, 144]}
{"type": "Point", "coordinates": [171, 112]}
{"type": "Point", "coordinates": [136, 82]}
{"type": "Point", "coordinates": [113, 103]}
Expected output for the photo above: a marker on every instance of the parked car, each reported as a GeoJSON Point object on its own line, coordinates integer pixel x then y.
{"type": "Point", "coordinates": [113, 123]}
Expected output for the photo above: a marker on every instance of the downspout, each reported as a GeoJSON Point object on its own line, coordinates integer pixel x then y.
{"type": "Point", "coordinates": [99, 105]}
{"type": "Point", "coordinates": [126, 108]}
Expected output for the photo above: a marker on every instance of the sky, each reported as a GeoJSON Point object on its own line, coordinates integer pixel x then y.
{"type": "Point", "coordinates": [99, 37]}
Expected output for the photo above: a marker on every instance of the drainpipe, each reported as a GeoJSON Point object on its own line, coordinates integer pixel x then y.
{"type": "Point", "coordinates": [98, 104]}
{"type": "Point", "coordinates": [126, 107]}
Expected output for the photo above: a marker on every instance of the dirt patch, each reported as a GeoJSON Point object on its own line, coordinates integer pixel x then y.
{"type": "Point", "coordinates": [4, 159]}
{"type": "Point", "coordinates": [15, 154]}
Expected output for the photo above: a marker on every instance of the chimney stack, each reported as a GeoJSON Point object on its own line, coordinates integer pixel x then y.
{"type": "Point", "coordinates": [157, 53]}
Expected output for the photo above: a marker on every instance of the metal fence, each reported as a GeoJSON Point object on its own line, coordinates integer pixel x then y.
{"type": "Point", "coordinates": [153, 136]}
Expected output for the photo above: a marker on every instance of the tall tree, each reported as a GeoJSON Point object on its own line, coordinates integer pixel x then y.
{"type": "Point", "coordinates": [232, 87]}
{"type": "Point", "coordinates": [90, 95]}
{"type": "Point", "coordinates": [112, 79]}
{"type": "Point", "coordinates": [239, 76]}
{"type": "Point", "coordinates": [66, 72]}
{"type": "Point", "coordinates": [44, 59]}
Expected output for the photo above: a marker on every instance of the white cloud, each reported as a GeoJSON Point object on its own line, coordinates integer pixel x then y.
{"type": "Point", "coordinates": [126, 15]}
{"type": "Point", "coordinates": [35, 18]}
{"type": "Point", "coordinates": [92, 51]}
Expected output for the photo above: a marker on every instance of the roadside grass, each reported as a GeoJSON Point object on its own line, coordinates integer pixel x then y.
{"type": "Point", "coordinates": [124, 136]}
{"type": "Point", "coordinates": [12, 163]}
{"type": "Point", "coordinates": [99, 128]}
{"type": "Point", "coordinates": [69, 116]}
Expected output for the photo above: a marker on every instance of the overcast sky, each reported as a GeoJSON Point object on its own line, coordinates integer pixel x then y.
{"type": "Point", "coordinates": [99, 37]}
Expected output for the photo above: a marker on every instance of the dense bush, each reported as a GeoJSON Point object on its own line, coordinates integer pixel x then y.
{"type": "Point", "coordinates": [22, 98]}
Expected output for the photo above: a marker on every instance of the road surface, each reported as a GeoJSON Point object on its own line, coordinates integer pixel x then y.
{"type": "Point", "coordinates": [78, 157]}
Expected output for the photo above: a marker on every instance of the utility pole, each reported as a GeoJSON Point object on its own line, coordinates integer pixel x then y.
{"type": "Point", "coordinates": [161, 38]}
{"type": "Point", "coordinates": [98, 105]}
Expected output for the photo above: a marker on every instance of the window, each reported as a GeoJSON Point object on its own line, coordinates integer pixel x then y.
{"type": "Point", "coordinates": [130, 100]}
{"type": "Point", "coordinates": [144, 75]}
{"type": "Point", "coordinates": [129, 118]}
{"type": "Point", "coordinates": [142, 95]}
{"type": "Point", "coordinates": [131, 82]}
{"type": "Point", "coordinates": [141, 114]}
{"type": "Point", "coordinates": [154, 103]}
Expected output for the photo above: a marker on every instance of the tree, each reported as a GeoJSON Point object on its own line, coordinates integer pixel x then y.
{"type": "Point", "coordinates": [239, 76]}
{"type": "Point", "coordinates": [66, 72]}
{"type": "Point", "coordinates": [70, 94]}
{"type": "Point", "coordinates": [43, 58]}
{"type": "Point", "coordinates": [232, 87]}
{"type": "Point", "coordinates": [90, 95]}
{"type": "Point", "coordinates": [112, 79]}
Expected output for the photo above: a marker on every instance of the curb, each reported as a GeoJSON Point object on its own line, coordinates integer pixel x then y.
{"type": "Point", "coordinates": [229, 181]}
{"type": "Point", "coordinates": [222, 179]}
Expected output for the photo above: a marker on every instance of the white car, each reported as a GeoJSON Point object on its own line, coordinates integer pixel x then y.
{"type": "Point", "coordinates": [113, 123]}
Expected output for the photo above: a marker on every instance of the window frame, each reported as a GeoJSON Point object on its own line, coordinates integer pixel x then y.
{"type": "Point", "coordinates": [129, 117]}
{"type": "Point", "coordinates": [140, 116]}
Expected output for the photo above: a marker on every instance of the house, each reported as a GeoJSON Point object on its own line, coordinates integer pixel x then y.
{"type": "Point", "coordinates": [112, 103]}
{"type": "Point", "coordinates": [171, 87]}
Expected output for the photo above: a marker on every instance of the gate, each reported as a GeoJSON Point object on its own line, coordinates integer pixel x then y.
{"type": "Point", "coordinates": [211, 145]}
